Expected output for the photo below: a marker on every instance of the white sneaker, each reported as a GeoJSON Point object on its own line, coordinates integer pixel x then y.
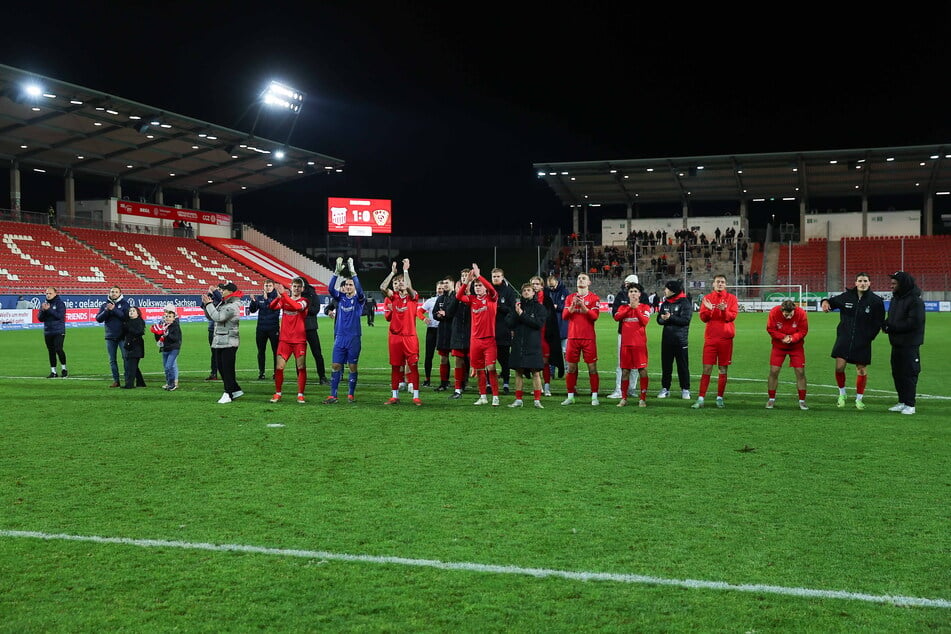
{"type": "Point", "coordinates": [237, 395]}
{"type": "Point", "coordinates": [538, 405]}
{"type": "Point", "coordinates": [622, 402]}
{"type": "Point", "coordinates": [224, 398]}
{"type": "Point", "coordinates": [908, 410]}
{"type": "Point", "coordinates": [615, 394]}
{"type": "Point", "coordinates": [495, 401]}
{"type": "Point", "coordinates": [595, 402]}
{"type": "Point", "coordinates": [803, 406]}
{"type": "Point", "coordinates": [720, 402]}
{"type": "Point", "coordinates": [482, 400]}
{"type": "Point", "coordinates": [685, 395]}
{"type": "Point", "coordinates": [897, 408]}
{"type": "Point", "coordinates": [547, 391]}
{"type": "Point", "coordinates": [517, 403]}
{"type": "Point", "coordinates": [664, 393]}
{"type": "Point", "coordinates": [569, 401]}
{"type": "Point", "coordinates": [770, 403]}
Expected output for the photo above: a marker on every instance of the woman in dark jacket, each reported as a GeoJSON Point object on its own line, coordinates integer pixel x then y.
{"type": "Point", "coordinates": [133, 330]}
{"type": "Point", "coordinates": [53, 315]}
{"type": "Point", "coordinates": [674, 314]}
{"type": "Point", "coordinates": [526, 320]}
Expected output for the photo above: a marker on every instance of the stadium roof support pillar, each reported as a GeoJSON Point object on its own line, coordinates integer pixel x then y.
{"type": "Point", "coordinates": [928, 213]}
{"type": "Point", "coordinates": [117, 188]}
{"type": "Point", "coordinates": [229, 207]}
{"type": "Point", "coordinates": [15, 188]}
{"type": "Point", "coordinates": [630, 215]}
{"type": "Point", "coordinates": [864, 216]}
{"type": "Point", "coordinates": [802, 220]}
{"type": "Point", "coordinates": [159, 195]}
{"type": "Point", "coordinates": [686, 213]}
{"type": "Point", "coordinates": [196, 200]}
{"type": "Point", "coordinates": [744, 215]}
{"type": "Point", "coordinates": [574, 219]}
{"type": "Point", "coordinates": [70, 195]}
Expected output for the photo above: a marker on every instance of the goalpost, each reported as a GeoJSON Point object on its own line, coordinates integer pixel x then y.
{"type": "Point", "coordinates": [757, 298]}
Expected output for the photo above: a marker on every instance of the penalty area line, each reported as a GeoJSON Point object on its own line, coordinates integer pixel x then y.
{"type": "Point", "coordinates": [495, 569]}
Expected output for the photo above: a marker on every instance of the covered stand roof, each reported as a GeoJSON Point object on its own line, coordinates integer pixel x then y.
{"type": "Point", "coordinates": [68, 127]}
{"type": "Point", "coordinates": [924, 170]}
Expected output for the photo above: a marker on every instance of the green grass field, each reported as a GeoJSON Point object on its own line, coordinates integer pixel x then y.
{"type": "Point", "coordinates": [144, 510]}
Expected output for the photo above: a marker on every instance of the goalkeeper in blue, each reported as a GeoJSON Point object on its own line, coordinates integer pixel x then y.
{"type": "Point", "coordinates": [349, 299]}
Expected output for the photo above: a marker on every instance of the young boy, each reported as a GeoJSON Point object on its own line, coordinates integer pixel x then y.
{"type": "Point", "coordinates": [526, 321]}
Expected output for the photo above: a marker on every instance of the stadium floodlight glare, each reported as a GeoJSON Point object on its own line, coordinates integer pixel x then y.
{"type": "Point", "coordinates": [33, 90]}
{"type": "Point", "coordinates": [280, 95]}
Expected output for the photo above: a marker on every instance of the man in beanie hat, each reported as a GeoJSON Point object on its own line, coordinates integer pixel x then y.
{"type": "Point", "coordinates": [674, 314]}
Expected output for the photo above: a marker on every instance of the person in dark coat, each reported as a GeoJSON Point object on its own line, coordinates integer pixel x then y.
{"type": "Point", "coordinates": [461, 318]}
{"type": "Point", "coordinates": [443, 330]}
{"type": "Point", "coordinates": [526, 320]}
{"type": "Point", "coordinates": [558, 293]}
{"type": "Point", "coordinates": [551, 334]}
{"type": "Point", "coordinates": [905, 325]}
{"type": "Point", "coordinates": [269, 325]}
{"type": "Point", "coordinates": [861, 317]}
{"type": "Point", "coordinates": [53, 315]}
{"type": "Point", "coordinates": [310, 328]}
{"type": "Point", "coordinates": [503, 336]}
{"type": "Point", "coordinates": [112, 314]}
{"type": "Point", "coordinates": [133, 331]}
{"type": "Point", "coordinates": [674, 314]}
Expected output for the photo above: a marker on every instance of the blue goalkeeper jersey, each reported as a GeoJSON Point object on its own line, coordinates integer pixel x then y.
{"type": "Point", "coordinates": [349, 309]}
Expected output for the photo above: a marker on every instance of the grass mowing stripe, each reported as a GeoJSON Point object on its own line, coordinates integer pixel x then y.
{"type": "Point", "coordinates": [897, 600]}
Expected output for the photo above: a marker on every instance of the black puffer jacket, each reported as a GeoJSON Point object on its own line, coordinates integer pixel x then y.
{"type": "Point", "coordinates": [905, 323]}
{"type": "Point", "coordinates": [860, 320]}
{"type": "Point", "coordinates": [677, 326]}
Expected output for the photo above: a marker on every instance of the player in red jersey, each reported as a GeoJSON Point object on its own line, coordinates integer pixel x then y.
{"type": "Point", "coordinates": [483, 349]}
{"type": "Point", "coordinates": [633, 318]}
{"type": "Point", "coordinates": [293, 337]}
{"type": "Point", "coordinates": [581, 311]}
{"type": "Point", "coordinates": [400, 309]}
{"type": "Point", "coordinates": [718, 311]}
{"type": "Point", "coordinates": [787, 325]}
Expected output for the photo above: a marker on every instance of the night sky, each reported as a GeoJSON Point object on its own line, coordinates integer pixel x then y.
{"type": "Point", "coordinates": [444, 108]}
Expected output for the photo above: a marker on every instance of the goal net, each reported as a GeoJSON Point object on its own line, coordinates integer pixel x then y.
{"type": "Point", "coordinates": [755, 298]}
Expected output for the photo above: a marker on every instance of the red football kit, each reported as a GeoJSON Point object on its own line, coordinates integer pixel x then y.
{"type": "Point", "coordinates": [581, 338]}
{"type": "Point", "coordinates": [293, 335]}
{"type": "Point", "coordinates": [720, 330]}
{"type": "Point", "coordinates": [400, 312]}
{"type": "Point", "coordinates": [483, 350]}
{"type": "Point", "coordinates": [778, 327]}
{"type": "Point", "coordinates": [633, 320]}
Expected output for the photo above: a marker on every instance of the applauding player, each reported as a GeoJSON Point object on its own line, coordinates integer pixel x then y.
{"type": "Point", "coordinates": [347, 330]}
{"type": "Point", "coordinates": [399, 309]}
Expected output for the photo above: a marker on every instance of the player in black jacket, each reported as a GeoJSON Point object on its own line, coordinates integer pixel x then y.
{"type": "Point", "coordinates": [674, 314]}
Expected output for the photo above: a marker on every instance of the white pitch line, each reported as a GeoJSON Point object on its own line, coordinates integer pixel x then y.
{"type": "Point", "coordinates": [497, 569]}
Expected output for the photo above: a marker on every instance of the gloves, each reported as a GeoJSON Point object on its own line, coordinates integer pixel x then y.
{"type": "Point", "coordinates": [353, 271]}
{"type": "Point", "coordinates": [339, 268]}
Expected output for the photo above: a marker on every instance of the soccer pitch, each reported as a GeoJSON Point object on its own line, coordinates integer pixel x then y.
{"type": "Point", "coordinates": [146, 510]}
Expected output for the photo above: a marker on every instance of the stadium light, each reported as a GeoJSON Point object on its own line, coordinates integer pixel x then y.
{"type": "Point", "coordinates": [280, 95]}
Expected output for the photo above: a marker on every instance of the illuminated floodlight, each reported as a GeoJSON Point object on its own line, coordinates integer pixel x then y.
{"type": "Point", "coordinates": [280, 95]}
{"type": "Point", "coordinates": [33, 90]}
{"type": "Point", "coordinates": [279, 154]}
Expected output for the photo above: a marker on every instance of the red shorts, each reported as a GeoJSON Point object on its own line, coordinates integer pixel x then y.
{"type": "Point", "coordinates": [285, 350]}
{"type": "Point", "coordinates": [483, 352]}
{"type": "Point", "coordinates": [404, 350]}
{"type": "Point", "coordinates": [462, 354]}
{"type": "Point", "coordinates": [581, 348]}
{"type": "Point", "coordinates": [718, 352]}
{"type": "Point", "coordinates": [633, 357]}
{"type": "Point", "coordinates": [443, 352]}
{"type": "Point", "coordinates": [797, 357]}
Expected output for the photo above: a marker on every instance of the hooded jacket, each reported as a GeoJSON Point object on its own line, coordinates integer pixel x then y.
{"type": "Point", "coordinates": [860, 320]}
{"type": "Point", "coordinates": [905, 323]}
{"type": "Point", "coordinates": [677, 326]}
{"type": "Point", "coordinates": [269, 320]}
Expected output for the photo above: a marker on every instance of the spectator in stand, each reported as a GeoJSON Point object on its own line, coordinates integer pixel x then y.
{"type": "Point", "coordinates": [503, 334]}
{"type": "Point", "coordinates": [348, 336]}
{"type": "Point", "coordinates": [861, 318]}
{"type": "Point", "coordinates": [718, 310]}
{"type": "Point", "coordinates": [310, 324]}
{"type": "Point", "coordinates": [400, 310]}
{"type": "Point", "coordinates": [526, 321]}
{"type": "Point", "coordinates": [134, 343]}
{"type": "Point", "coordinates": [633, 317]}
{"type": "Point", "coordinates": [787, 326]}
{"type": "Point", "coordinates": [674, 315]}
{"type": "Point", "coordinates": [581, 311]}
{"type": "Point", "coordinates": [112, 315]}
{"type": "Point", "coordinates": [53, 315]}
{"type": "Point", "coordinates": [226, 316]}
{"type": "Point", "coordinates": [168, 336]}
{"type": "Point", "coordinates": [269, 326]}
{"type": "Point", "coordinates": [905, 325]}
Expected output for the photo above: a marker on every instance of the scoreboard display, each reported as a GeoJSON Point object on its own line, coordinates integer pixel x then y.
{"type": "Point", "coordinates": [359, 216]}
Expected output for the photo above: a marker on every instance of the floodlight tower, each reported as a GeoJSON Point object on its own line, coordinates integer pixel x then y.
{"type": "Point", "coordinates": [280, 96]}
